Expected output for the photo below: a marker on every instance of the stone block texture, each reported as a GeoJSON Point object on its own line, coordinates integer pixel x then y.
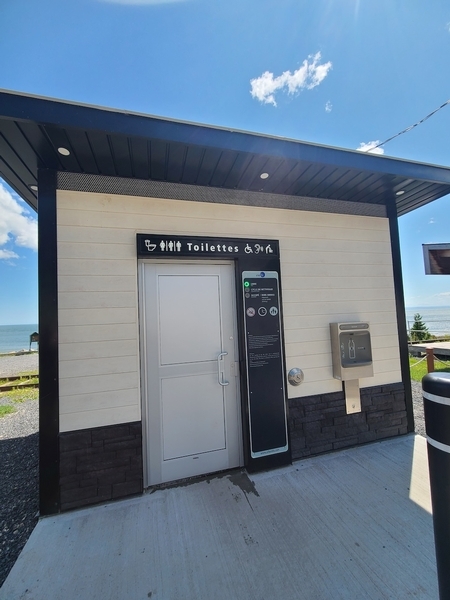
{"type": "Point", "coordinates": [320, 423]}
{"type": "Point", "coordinates": [100, 464]}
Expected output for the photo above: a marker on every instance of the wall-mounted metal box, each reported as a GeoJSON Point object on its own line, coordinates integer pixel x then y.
{"type": "Point", "coordinates": [351, 350]}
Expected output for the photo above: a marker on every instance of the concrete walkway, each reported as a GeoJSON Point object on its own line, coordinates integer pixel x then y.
{"type": "Point", "coordinates": [351, 525]}
{"type": "Point", "coordinates": [441, 348]}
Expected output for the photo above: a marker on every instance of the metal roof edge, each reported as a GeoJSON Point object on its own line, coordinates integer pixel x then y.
{"type": "Point", "coordinates": [64, 113]}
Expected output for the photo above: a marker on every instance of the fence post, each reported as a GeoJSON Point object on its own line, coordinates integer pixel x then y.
{"type": "Point", "coordinates": [436, 402]}
{"type": "Point", "coordinates": [430, 360]}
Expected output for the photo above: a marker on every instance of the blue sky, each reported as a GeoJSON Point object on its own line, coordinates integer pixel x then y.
{"type": "Point", "coordinates": [336, 72]}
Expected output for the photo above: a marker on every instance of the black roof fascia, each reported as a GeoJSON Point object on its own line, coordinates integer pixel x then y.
{"type": "Point", "coordinates": [64, 114]}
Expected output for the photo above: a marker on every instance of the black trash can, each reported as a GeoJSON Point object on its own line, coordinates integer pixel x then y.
{"type": "Point", "coordinates": [436, 400]}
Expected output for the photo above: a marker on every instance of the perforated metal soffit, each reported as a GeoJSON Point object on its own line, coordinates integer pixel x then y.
{"type": "Point", "coordinates": [179, 191]}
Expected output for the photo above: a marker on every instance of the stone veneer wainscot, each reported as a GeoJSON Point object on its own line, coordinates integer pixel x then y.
{"type": "Point", "coordinates": [100, 464]}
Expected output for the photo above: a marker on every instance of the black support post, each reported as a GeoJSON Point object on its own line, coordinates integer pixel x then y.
{"type": "Point", "coordinates": [436, 399]}
{"type": "Point", "coordinates": [48, 345]}
{"type": "Point", "coordinates": [400, 308]}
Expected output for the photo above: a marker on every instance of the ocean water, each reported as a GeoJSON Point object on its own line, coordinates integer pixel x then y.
{"type": "Point", "coordinates": [16, 337]}
{"type": "Point", "coordinates": [436, 318]}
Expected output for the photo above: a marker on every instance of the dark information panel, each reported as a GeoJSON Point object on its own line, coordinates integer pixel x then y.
{"type": "Point", "coordinates": [265, 370]}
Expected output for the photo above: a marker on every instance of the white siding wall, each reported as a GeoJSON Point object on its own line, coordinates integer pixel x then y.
{"type": "Point", "coordinates": [334, 268]}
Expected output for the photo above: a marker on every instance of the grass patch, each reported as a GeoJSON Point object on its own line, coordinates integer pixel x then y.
{"type": "Point", "coordinates": [24, 375]}
{"type": "Point", "coordinates": [419, 369]}
{"type": "Point", "coordinates": [27, 379]}
{"type": "Point", "coordinates": [8, 399]}
{"type": "Point", "coordinates": [6, 410]}
{"type": "Point", "coordinates": [20, 395]}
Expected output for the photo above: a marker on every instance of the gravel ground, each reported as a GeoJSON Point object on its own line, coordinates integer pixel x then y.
{"type": "Point", "coordinates": [19, 465]}
{"type": "Point", "coordinates": [19, 469]}
{"type": "Point", "coordinates": [419, 422]}
{"type": "Point", "coordinates": [13, 364]}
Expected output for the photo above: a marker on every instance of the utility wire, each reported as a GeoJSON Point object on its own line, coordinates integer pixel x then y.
{"type": "Point", "coordinates": [410, 127]}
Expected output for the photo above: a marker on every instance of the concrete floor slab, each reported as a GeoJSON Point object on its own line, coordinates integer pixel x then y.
{"type": "Point", "coordinates": [350, 525]}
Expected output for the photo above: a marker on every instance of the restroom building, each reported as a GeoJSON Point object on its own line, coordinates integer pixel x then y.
{"type": "Point", "coordinates": [188, 277]}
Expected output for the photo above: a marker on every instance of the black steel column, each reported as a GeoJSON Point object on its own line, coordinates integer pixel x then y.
{"type": "Point", "coordinates": [400, 309]}
{"type": "Point", "coordinates": [436, 399]}
{"type": "Point", "coordinates": [48, 345]}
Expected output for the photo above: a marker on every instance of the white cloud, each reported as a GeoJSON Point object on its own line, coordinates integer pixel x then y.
{"type": "Point", "coordinates": [328, 107]}
{"type": "Point", "coordinates": [308, 76]}
{"type": "Point", "coordinates": [7, 254]}
{"type": "Point", "coordinates": [369, 147]}
{"type": "Point", "coordinates": [431, 221]}
{"type": "Point", "coordinates": [141, 2]}
{"type": "Point", "coordinates": [15, 225]}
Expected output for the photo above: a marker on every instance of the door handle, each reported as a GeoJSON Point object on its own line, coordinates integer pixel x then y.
{"type": "Point", "coordinates": [222, 382]}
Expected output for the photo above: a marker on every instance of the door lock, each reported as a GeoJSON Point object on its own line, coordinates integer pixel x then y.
{"type": "Point", "coordinates": [295, 376]}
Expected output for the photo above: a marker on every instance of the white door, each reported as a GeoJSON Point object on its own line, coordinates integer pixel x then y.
{"type": "Point", "coordinates": [191, 405]}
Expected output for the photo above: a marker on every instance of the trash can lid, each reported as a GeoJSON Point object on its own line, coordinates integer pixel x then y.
{"type": "Point", "coordinates": [437, 384]}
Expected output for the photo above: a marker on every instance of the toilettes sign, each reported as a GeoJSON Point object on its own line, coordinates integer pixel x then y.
{"type": "Point", "coordinates": [158, 246]}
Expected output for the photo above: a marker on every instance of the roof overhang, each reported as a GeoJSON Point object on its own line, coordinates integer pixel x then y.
{"type": "Point", "coordinates": [117, 143]}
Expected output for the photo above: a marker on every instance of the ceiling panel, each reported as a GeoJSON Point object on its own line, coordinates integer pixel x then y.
{"type": "Point", "coordinates": [253, 170]}
{"type": "Point", "coordinates": [158, 158]}
{"type": "Point", "coordinates": [347, 188]}
{"type": "Point", "coordinates": [102, 151]}
{"type": "Point", "coordinates": [210, 161]}
{"type": "Point", "coordinates": [14, 163]}
{"type": "Point", "coordinates": [271, 167]}
{"type": "Point", "coordinates": [242, 161]}
{"type": "Point", "coordinates": [290, 179]}
{"type": "Point", "coordinates": [302, 186]}
{"type": "Point", "coordinates": [424, 192]}
{"type": "Point", "coordinates": [46, 154]}
{"type": "Point", "coordinates": [176, 161]}
{"type": "Point", "coordinates": [194, 157]}
{"type": "Point", "coordinates": [331, 183]}
{"type": "Point", "coordinates": [17, 184]}
{"type": "Point", "coordinates": [139, 158]}
{"type": "Point", "coordinates": [223, 168]}
{"type": "Point", "coordinates": [15, 138]}
{"type": "Point", "coordinates": [59, 139]}
{"type": "Point", "coordinates": [315, 181]}
{"type": "Point", "coordinates": [369, 187]}
{"type": "Point", "coordinates": [305, 169]}
{"type": "Point", "coordinates": [80, 142]}
{"type": "Point", "coordinates": [120, 151]}
{"type": "Point", "coordinates": [276, 177]}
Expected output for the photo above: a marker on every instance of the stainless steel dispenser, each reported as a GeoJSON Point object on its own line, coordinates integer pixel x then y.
{"type": "Point", "coordinates": [352, 358]}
